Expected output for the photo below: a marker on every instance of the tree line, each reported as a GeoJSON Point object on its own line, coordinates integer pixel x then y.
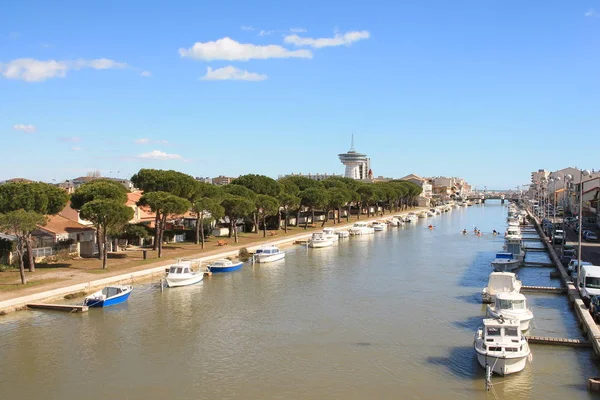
{"type": "Point", "coordinates": [168, 194]}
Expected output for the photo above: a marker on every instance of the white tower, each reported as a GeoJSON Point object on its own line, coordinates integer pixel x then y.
{"type": "Point", "coordinates": [357, 164]}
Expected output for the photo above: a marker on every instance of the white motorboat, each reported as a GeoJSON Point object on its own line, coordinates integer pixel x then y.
{"type": "Point", "coordinates": [330, 233]}
{"type": "Point", "coordinates": [361, 228]}
{"type": "Point", "coordinates": [431, 213]}
{"type": "Point", "coordinates": [379, 226]}
{"type": "Point", "coordinates": [182, 274]}
{"type": "Point", "coordinates": [396, 221]}
{"type": "Point", "coordinates": [318, 240]}
{"type": "Point", "coordinates": [511, 305]}
{"type": "Point", "coordinates": [411, 217]}
{"type": "Point", "coordinates": [268, 253]}
{"type": "Point", "coordinates": [505, 261]}
{"type": "Point", "coordinates": [514, 221]}
{"type": "Point", "coordinates": [343, 234]}
{"type": "Point", "coordinates": [422, 214]}
{"type": "Point", "coordinates": [501, 347]}
{"type": "Point", "coordinates": [513, 232]}
{"type": "Point", "coordinates": [499, 282]}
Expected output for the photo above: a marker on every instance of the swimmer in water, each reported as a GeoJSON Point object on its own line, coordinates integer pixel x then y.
{"type": "Point", "coordinates": [464, 232]}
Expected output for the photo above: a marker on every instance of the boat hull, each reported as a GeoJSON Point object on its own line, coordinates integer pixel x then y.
{"type": "Point", "coordinates": [500, 365]}
{"type": "Point", "coordinates": [320, 244]}
{"type": "Point", "coordinates": [230, 268]}
{"type": "Point", "coordinates": [178, 282]}
{"type": "Point", "coordinates": [505, 266]}
{"type": "Point", "coordinates": [269, 257]}
{"type": "Point", "coordinates": [108, 302]}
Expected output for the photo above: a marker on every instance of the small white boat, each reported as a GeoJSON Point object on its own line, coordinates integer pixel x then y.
{"type": "Point", "coordinates": [511, 305]}
{"type": "Point", "coordinates": [343, 234]}
{"type": "Point", "coordinates": [268, 253]}
{"type": "Point", "coordinates": [361, 228]}
{"type": "Point", "coordinates": [411, 217]}
{"type": "Point", "coordinates": [499, 282]}
{"type": "Point", "coordinates": [224, 265]}
{"type": "Point", "coordinates": [330, 233]}
{"type": "Point", "coordinates": [513, 232]}
{"type": "Point", "coordinates": [431, 213]}
{"type": "Point", "coordinates": [379, 226]}
{"type": "Point", "coordinates": [423, 214]}
{"type": "Point", "coordinates": [318, 240]}
{"type": "Point", "coordinates": [505, 261]}
{"type": "Point", "coordinates": [396, 221]}
{"type": "Point", "coordinates": [182, 274]}
{"type": "Point", "coordinates": [501, 347]}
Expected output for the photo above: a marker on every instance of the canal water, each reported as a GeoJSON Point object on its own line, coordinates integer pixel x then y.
{"type": "Point", "coordinates": [386, 316]}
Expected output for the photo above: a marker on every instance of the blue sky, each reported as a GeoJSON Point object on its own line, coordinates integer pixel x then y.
{"type": "Point", "coordinates": [488, 90]}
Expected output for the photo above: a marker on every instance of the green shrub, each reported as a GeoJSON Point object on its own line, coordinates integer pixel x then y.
{"type": "Point", "coordinates": [244, 254]}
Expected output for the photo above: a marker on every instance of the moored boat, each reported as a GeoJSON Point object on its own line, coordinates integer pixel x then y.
{"type": "Point", "coordinates": [500, 282]}
{"type": "Point", "coordinates": [511, 305]}
{"type": "Point", "coordinates": [505, 261]}
{"type": "Point", "coordinates": [109, 296]}
{"type": "Point", "coordinates": [411, 217]}
{"type": "Point", "coordinates": [500, 346]}
{"type": "Point", "coordinates": [183, 274]}
{"type": "Point", "coordinates": [379, 226]}
{"type": "Point", "coordinates": [343, 234]}
{"type": "Point", "coordinates": [268, 253]}
{"type": "Point", "coordinates": [319, 240]}
{"type": "Point", "coordinates": [224, 265]}
{"type": "Point", "coordinates": [331, 234]}
{"type": "Point", "coordinates": [361, 228]}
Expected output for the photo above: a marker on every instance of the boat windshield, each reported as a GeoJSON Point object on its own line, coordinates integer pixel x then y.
{"type": "Point", "coordinates": [592, 282]}
{"type": "Point", "coordinates": [511, 331]}
{"type": "Point", "coordinates": [493, 331]}
{"type": "Point", "coordinates": [504, 304]}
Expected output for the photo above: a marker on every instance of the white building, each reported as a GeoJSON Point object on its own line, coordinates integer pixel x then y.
{"type": "Point", "coordinates": [425, 196]}
{"type": "Point", "coordinates": [358, 165]}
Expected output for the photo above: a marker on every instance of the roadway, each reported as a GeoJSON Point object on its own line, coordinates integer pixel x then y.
{"type": "Point", "coordinates": [589, 251]}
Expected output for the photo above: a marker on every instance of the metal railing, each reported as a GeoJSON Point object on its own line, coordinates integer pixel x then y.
{"type": "Point", "coordinates": [51, 251]}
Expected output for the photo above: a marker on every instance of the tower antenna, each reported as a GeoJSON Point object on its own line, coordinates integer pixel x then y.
{"type": "Point", "coordinates": [352, 144]}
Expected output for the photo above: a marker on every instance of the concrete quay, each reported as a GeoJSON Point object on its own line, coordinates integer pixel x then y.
{"type": "Point", "coordinates": [586, 322]}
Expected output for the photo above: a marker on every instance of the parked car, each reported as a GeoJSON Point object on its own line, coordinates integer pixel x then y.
{"type": "Point", "coordinates": [558, 237]}
{"type": "Point", "coordinates": [565, 260]}
{"type": "Point", "coordinates": [572, 267]}
{"type": "Point", "coordinates": [589, 236]}
{"type": "Point", "coordinates": [595, 308]}
{"type": "Point", "coordinates": [568, 220]}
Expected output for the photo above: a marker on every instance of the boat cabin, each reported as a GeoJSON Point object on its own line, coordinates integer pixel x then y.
{"type": "Point", "coordinates": [111, 291]}
{"type": "Point", "coordinates": [268, 250]}
{"type": "Point", "coordinates": [504, 255]}
{"type": "Point", "coordinates": [510, 301]}
{"type": "Point", "coordinates": [179, 269]}
{"type": "Point", "coordinates": [501, 335]}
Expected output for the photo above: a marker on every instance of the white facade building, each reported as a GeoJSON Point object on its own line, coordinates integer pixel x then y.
{"type": "Point", "coordinates": [358, 166]}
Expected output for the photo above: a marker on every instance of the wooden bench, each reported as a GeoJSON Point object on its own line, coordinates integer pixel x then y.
{"type": "Point", "coordinates": [221, 243]}
{"type": "Point", "coordinates": [272, 233]}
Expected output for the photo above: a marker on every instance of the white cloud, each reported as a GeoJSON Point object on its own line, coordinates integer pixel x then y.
{"type": "Point", "coordinates": [297, 30]}
{"type": "Point", "coordinates": [25, 128]}
{"type": "Point", "coordinates": [76, 148]}
{"type": "Point", "coordinates": [591, 13]}
{"type": "Point", "coordinates": [247, 28]}
{"type": "Point", "coordinates": [339, 39]}
{"type": "Point", "coordinates": [265, 33]}
{"type": "Point", "coordinates": [231, 73]}
{"type": "Point", "coordinates": [228, 49]}
{"type": "Point", "coordinates": [73, 139]}
{"type": "Point", "coordinates": [146, 74]}
{"type": "Point", "coordinates": [31, 70]}
{"type": "Point", "coordinates": [159, 155]}
{"type": "Point", "coordinates": [150, 141]}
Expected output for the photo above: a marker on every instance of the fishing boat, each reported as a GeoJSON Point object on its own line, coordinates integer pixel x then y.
{"type": "Point", "coordinates": [331, 234]}
{"type": "Point", "coordinates": [268, 253]}
{"type": "Point", "coordinates": [499, 282]}
{"type": "Point", "coordinates": [505, 261]}
{"type": "Point", "coordinates": [511, 305]}
{"type": "Point", "coordinates": [318, 240]}
{"type": "Point", "coordinates": [109, 296]}
{"type": "Point", "coordinates": [182, 274]}
{"type": "Point", "coordinates": [500, 346]}
{"type": "Point", "coordinates": [224, 265]}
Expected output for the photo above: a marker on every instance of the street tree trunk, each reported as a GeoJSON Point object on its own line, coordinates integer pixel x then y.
{"type": "Point", "coordinates": [30, 253]}
{"type": "Point", "coordinates": [255, 218]}
{"type": "Point", "coordinates": [105, 251]}
{"type": "Point", "coordinates": [20, 254]}
{"type": "Point", "coordinates": [99, 242]}
{"type": "Point", "coordinates": [264, 221]}
{"type": "Point", "coordinates": [163, 222]}
{"type": "Point", "coordinates": [202, 229]}
{"type": "Point", "coordinates": [234, 226]}
{"type": "Point", "coordinates": [156, 231]}
{"type": "Point", "coordinates": [326, 218]}
{"type": "Point", "coordinates": [285, 223]}
{"type": "Point", "coordinates": [349, 210]}
{"type": "Point", "coordinates": [198, 230]}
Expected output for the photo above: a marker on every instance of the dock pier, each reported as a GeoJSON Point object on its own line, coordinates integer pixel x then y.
{"type": "Point", "coordinates": [59, 307]}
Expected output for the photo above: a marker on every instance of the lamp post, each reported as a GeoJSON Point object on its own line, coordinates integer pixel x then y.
{"type": "Point", "coordinates": [554, 179]}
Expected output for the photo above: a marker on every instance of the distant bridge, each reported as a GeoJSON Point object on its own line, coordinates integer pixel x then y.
{"type": "Point", "coordinates": [493, 196]}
